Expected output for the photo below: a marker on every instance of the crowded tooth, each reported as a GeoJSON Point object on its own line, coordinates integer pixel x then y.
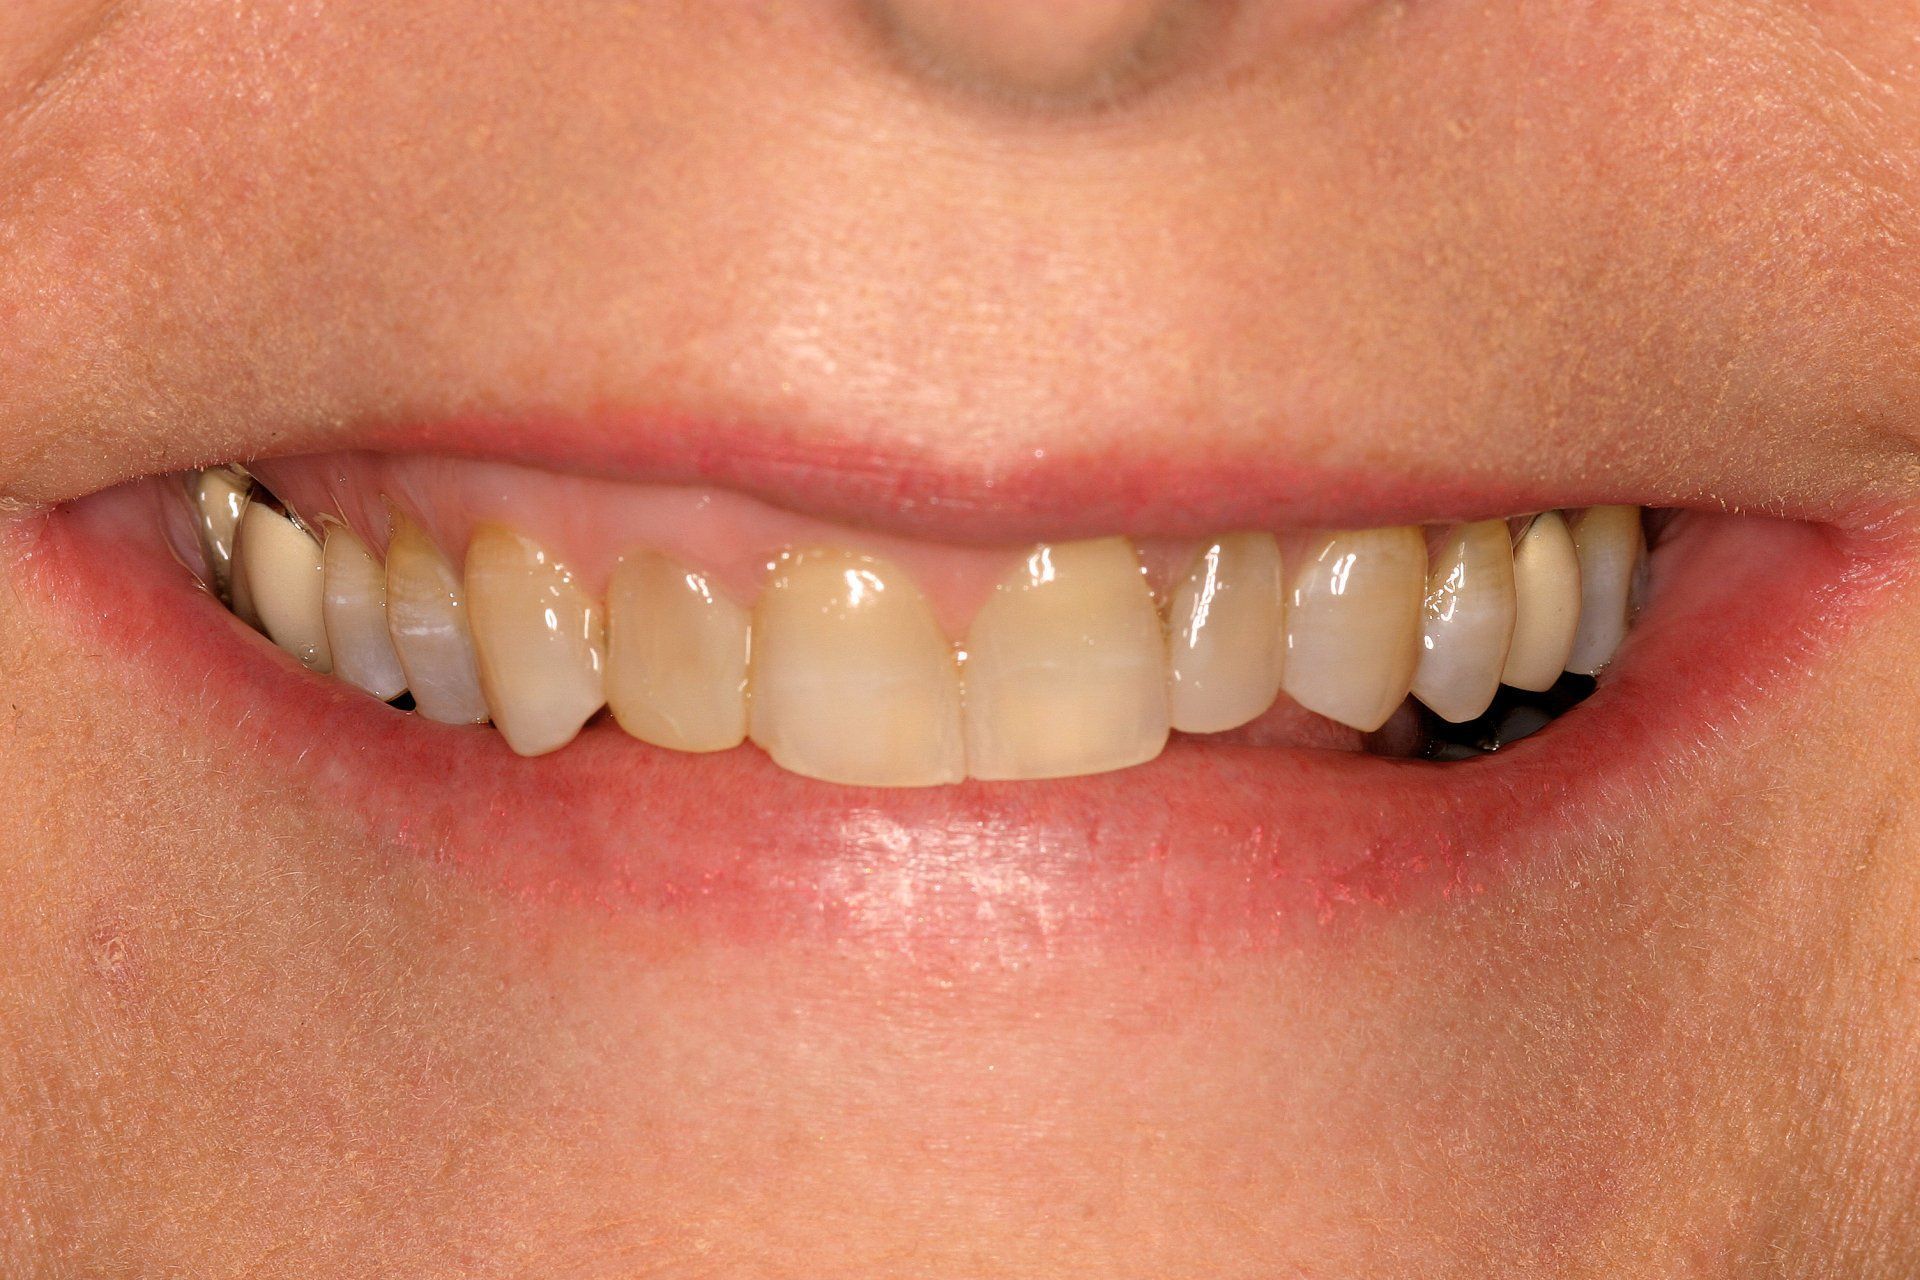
{"type": "Point", "coordinates": [540, 641]}
{"type": "Point", "coordinates": [280, 562]}
{"type": "Point", "coordinates": [356, 617]}
{"type": "Point", "coordinates": [1066, 667]}
{"type": "Point", "coordinates": [1467, 621]}
{"type": "Point", "coordinates": [676, 656]}
{"type": "Point", "coordinates": [219, 502]}
{"type": "Point", "coordinates": [427, 618]}
{"type": "Point", "coordinates": [1353, 624]}
{"type": "Point", "coordinates": [1610, 545]}
{"type": "Point", "coordinates": [1224, 639]}
{"type": "Point", "coordinates": [1546, 589]}
{"type": "Point", "coordinates": [853, 680]}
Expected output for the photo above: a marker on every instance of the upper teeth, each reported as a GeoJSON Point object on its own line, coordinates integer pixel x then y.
{"type": "Point", "coordinates": [840, 670]}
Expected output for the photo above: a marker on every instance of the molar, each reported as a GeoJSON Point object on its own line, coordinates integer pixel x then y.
{"type": "Point", "coordinates": [539, 639]}
{"type": "Point", "coordinates": [427, 620]}
{"type": "Point", "coordinates": [356, 617]}
{"type": "Point", "coordinates": [1066, 667]}
{"type": "Point", "coordinates": [676, 656]}
{"type": "Point", "coordinates": [1546, 588]}
{"type": "Point", "coordinates": [280, 563]}
{"type": "Point", "coordinates": [1611, 545]}
{"type": "Point", "coordinates": [1467, 621]}
{"type": "Point", "coordinates": [852, 679]}
{"type": "Point", "coordinates": [1353, 624]}
{"type": "Point", "coordinates": [219, 501]}
{"type": "Point", "coordinates": [1224, 644]}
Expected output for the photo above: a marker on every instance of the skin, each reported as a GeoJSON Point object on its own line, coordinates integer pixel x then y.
{"type": "Point", "coordinates": [236, 1040]}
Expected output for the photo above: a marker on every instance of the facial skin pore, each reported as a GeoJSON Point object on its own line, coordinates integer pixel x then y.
{"type": "Point", "coordinates": [1433, 241]}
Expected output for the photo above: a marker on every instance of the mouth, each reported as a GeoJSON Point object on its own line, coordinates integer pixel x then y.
{"type": "Point", "coordinates": [694, 700]}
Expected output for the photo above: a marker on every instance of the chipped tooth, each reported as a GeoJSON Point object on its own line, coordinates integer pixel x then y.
{"type": "Point", "coordinates": [427, 620]}
{"type": "Point", "coordinates": [1546, 588]}
{"type": "Point", "coordinates": [356, 617]}
{"type": "Point", "coordinates": [280, 562]}
{"type": "Point", "coordinates": [1066, 667]}
{"type": "Point", "coordinates": [676, 656]}
{"type": "Point", "coordinates": [1467, 621]}
{"type": "Point", "coordinates": [1225, 635]}
{"type": "Point", "coordinates": [219, 501]}
{"type": "Point", "coordinates": [540, 640]}
{"type": "Point", "coordinates": [853, 680]}
{"type": "Point", "coordinates": [1610, 545]}
{"type": "Point", "coordinates": [1353, 624]}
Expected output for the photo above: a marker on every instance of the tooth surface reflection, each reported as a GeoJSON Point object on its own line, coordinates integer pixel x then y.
{"type": "Point", "coordinates": [1225, 635]}
{"type": "Point", "coordinates": [356, 617]}
{"type": "Point", "coordinates": [427, 618]}
{"type": "Point", "coordinates": [676, 656]}
{"type": "Point", "coordinates": [1610, 544]}
{"type": "Point", "coordinates": [539, 639]}
{"type": "Point", "coordinates": [281, 564]}
{"type": "Point", "coordinates": [219, 502]}
{"type": "Point", "coordinates": [1353, 623]}
{"type": "Point", "coordinates": [1066, 667]}
{"type": "Point", "coordinates": [1546, 590]}
{"type": "Point", "coordinates": [1466, 621]}
{"type": "Point", "coordinates": [853, 680]}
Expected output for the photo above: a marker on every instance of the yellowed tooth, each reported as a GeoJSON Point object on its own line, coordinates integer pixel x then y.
{"type": "Point", "coordinates": [676, 656]}
{"type": "Point", "coordinates": [356, 617]}
{"type": "Point", "coordinates": [281, 564]}
{"type": "Point", "coordinates": [427, 619]}
{"type": "Point", "coordinates": [1353, 624]}
{"type": "Point", "coordinates": [1611, 546]}
{"type": "Point", "coordinates": [1467, 621]}
{"type": "Point", "coordinates": [219, 501]}
{"type": "Point", "coordinates": [540, 640]}
{"type": "Point", "coordinates": [1546, 588]}
{"type": "Point", "coordinates": [1225, 636]}
{"type": "Point", "coordinates": [853, 680]}
{"type": "Point", "coordinates": [1066, 669]}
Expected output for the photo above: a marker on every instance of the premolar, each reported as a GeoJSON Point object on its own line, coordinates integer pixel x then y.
{"type": "Point", "coordinates": [1546, 589]}
{"type": "Point", "coordinates": [356, 617]}
{"type": "Point", "coordinates": [539, 638]}
{"type": "Point", "coordinates": [1353, 624]}
{"type": "Point", "coordinates": [1066, 667]}
{"type": "Point", "coordinates": [676, 656]}
{"type": "Point", "coordinates": [219, 501]}
{"type": "Point", "coordinates": [1224, 641]}
{"type": "Point", "coordinates": [280, 562]}
{"type": "Point", "coordinates": [1611, 546]}
{"type": "Point", "coordinates": [1466, 621]}
{"type": "Point", "coordinates": [427, 618]}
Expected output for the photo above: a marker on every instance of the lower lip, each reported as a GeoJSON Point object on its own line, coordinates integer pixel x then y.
{"type": "Point", "coordinates": [1217, 847]}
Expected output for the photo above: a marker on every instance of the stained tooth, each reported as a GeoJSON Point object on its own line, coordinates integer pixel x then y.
{"type": "Point", "coordinates": [540, 640]}
{"type": "Point", "coordinates": [280, 562]}
{"type": "Point", "coordinates": [1353, 624]}
{"type": "Point", "coordinates": [1224, 644]}
{"type": "Point", "coordinates": [1066, 667]}
{"type": "Point", "coordinates": [356, 617]}
{"type": "Point", "coordinates": [219, 501]}
{"type": "Point", "coordinates": [1610, 546]}
{"type": "Point", "coordinates": [427, 619]}
{"type": "Point", "coordinates": [676, 656]}
{"type": "Point", "coordinates": [1467, 621]}
{"type": "Point", "coordinates": [1546, 588]}
{"type": "Point", "coordinates": [853, 680]}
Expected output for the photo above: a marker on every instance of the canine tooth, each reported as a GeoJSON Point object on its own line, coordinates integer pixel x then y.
{"type": "Point", "coordinates": [1353, 624]}
{"type": "Point", "coordinates": [427, 620]}
{"type": "Point", "coordinates": [219, 501]}
{"type": "Point", "coordinates": [1610, 545]}
{"type": "Point", "coordinates": [540, 641]}
{"type": "Point", "coordinates": [356, 617]}
{"type": "Point", "coordinates": [1467, 621]}
{"type": "Point", "coordinates": [676, 656]}
{"type": "Point", "coordinates": [1546, 589]}
{"type": "Point", "coordinates": [853, 680]}
{"type": "Point", "coordinates": [1066, 667]}
{"type": "Point", "coordinates": [1224, 644]}
{"type": "Point", "coordinates": [281, 564]}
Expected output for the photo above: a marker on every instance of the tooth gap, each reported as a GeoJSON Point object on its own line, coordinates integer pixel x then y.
{"type": "Point", "coordinates": [1515, 714]}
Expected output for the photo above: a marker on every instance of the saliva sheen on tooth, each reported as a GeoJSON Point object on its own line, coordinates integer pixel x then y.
{"type": "Point", "coordinates": [840, 671]}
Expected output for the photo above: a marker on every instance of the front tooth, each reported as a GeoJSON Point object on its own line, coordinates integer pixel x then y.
{"type": "Point", "coordinates": [281, 564]}
{"type": "Point", "coordinates": [356, 617]}
{"type": "Point", "coordinates": [1066, 669]}
{"type": "Point", "coordinates": [539, 639]}
{"type": "Point", "coordinates": [1546, 588]}
{"type": "Point", "coordinates": [1353, 624]}
{"type": "Point", "coordinates": [219, 502]}
{"type": "Point", "coordinates": [676, 656]}
{"type": "Point", "coordinates": [1610, 545]}
{"type": "Point", "coordinates": [1467, 621]}
{"type": "Point", "coordinates": [427, 619]}
{"type": "Point", "coordinates": [853, 680]}
{"type": "Point", "coordinates": [1224, 645]}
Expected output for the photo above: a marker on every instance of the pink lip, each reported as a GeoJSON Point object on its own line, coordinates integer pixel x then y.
{"type": "Point", "coordinates": [1218, 847]}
